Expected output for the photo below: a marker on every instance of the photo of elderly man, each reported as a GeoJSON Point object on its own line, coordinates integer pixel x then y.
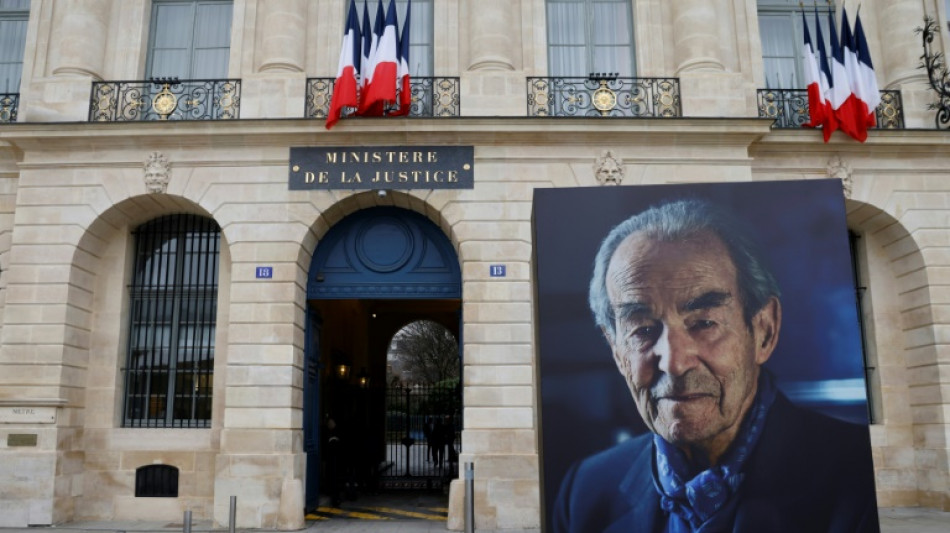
{"type": "Point", "coordinates": [690, 311]}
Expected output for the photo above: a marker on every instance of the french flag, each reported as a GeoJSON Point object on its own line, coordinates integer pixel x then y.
{"type": "Point", "coordinates": [840, 88]}
{"type": "Point", "coordinates": [829, 122]}
{"type": "Point", "coordinates": [345, 88]}
{"type": "Point", "coordinates": [368, 38]}
{"type": "Point", "coordinates": [404, 83]}
{"type": "Point", "coordinates": [850, 118]}
{"type": "Point", "coordinates": [868, 92]}
{"type": "Point", "coordinates": [816, 101]}
{"type": "Point", "coordinates": [381, 88]}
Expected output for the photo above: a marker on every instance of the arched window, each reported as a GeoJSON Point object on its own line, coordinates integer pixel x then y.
{"type": "Point", "coordinates": [172, 301]}
{"type": "Point", "coordinates": [587, 36]}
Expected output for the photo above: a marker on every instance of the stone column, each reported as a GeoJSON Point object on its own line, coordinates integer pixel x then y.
{"type": "Point", "coordinates": [493, 34]}
{"type": "Point", "coordinates": [900, 55]}
{"type": "Point", "coordinates": [494, 76]}
{"type": "Point", "coordinates": [696, 36]}
{"type": "Point", "coordinates": [706, 87]}
{"type": "Point", "coordinates": [277, 85]}
{"type": "Point", "coordinates": [77, 36]}
{"type": "Point", "coordinates": [80, 28]}
{"type": "Point", "coordinates": [283, 35]}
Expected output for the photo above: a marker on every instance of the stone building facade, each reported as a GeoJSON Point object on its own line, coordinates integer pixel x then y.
{"type": "Point", "coordinates": [73, 191]}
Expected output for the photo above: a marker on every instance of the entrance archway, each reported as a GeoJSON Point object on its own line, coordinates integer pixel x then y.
{"type": "Point", "coordinates": [373, 272]}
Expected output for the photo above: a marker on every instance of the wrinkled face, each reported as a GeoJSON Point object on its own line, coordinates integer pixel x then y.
{"type": "Point", "coordinates": [689, 357]}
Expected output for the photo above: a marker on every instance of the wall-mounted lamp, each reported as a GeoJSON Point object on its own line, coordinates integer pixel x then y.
{"type": "Point", "coordinates": [363, 379]}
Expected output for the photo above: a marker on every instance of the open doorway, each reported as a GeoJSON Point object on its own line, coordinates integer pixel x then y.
{"type": "Point", "coordinates": [379, 279]}
{"type": "Point", "coordinates": [390, 403]}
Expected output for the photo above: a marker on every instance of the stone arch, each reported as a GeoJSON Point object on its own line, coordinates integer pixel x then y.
{"type": "Point", "coordinates": [899, 314]}
{"type": "Point", "coordinates": [99, 274]}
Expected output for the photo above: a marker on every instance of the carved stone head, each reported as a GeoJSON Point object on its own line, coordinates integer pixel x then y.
{"type": "Point", "coordinates": [608, 169]}
{"type": "Point", "coordinates": [156, 172]}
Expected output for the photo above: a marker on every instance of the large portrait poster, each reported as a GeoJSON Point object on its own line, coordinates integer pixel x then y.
{"type": "Point", "coordinates": [716, 403]}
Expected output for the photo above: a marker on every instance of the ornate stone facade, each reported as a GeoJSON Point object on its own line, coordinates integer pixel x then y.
{"type": "Point", "coordinates": [72, 195]}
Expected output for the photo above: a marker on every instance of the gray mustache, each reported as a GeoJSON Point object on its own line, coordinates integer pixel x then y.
{"type": "Point", "coordinates": [692, 382]}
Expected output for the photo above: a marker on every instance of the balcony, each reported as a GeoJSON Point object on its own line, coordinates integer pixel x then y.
{"type": "Point", "coordinates": [604, 96]}
{"type": "Point", "coordinates": [165, 99]}
{"type": "Point", "coordinates": [789, 108]}
{"type": "Point", "coordinates": [431, 97]}
{"type": "Point", "coordinates": [8, 107]}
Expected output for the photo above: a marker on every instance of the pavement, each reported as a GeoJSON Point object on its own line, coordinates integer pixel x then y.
{"type": "Point", "coordinates": [893, 520]}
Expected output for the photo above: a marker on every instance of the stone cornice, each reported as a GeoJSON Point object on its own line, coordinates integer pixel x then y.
{"type": "Point", "coordinates": [305, 132]}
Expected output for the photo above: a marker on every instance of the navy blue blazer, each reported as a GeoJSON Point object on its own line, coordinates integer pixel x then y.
{"type": "Point", "coordinates": [809, 473]}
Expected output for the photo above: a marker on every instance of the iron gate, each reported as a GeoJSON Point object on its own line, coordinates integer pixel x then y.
{"type": "Point", "coordinates": [423, 430]}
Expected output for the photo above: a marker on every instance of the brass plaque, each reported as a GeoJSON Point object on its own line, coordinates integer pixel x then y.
{"type": "Point", "coordinates": [21, 439]}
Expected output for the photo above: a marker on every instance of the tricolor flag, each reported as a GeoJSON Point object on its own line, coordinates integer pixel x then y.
{"type": "Point", "coordinates": [840, 86]}
{"type": "Point", "coordinates": [368, 38]}
{"type": "Point", "coordinates": [868, 91]}
{"type": "Point", "coordinates": [345, 88]}
{"type": "Point", "coordinates": [850, 118]}
{"type": "Point", "coordinates": [829, 123]}
{"type": "Point", "coordinates": [404, 83]}
{"type": "Point", "coordinates": [816, 101]}
{"type": "Point", "coordinates": [381, 88]}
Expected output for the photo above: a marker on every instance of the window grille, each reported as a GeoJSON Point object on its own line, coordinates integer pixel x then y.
{"type": "Point", "coordinates": [173, 298]}
{"type": "Point", "coordinates": [156, 481]}
{"type": "Point", "coordinates": [14, 15]}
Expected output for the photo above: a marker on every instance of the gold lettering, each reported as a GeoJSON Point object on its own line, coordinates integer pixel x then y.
{"type": "Point", "coordinates": [403, 176]}
{"type": "Point", "coordinates": [331, 157]}
{"type": "Point", "coordinates": [324, 177]}
{"type": "Point", "coordinates": [417, 157]}
{"type": "Point", "coordinates": [453, 176]}
{"type": "Point", "coordinates": [375, 178]}
{"type": "Point", "coordinates": [377, 157]}
{"type": "Point", "coordinates": [308, 177]}
{"type": "Point", "coordinates": [354, 157]}
{"type": "Point", "coordinates": [415, 176]}
{"type": "Point", "coordinates": [403, 157]}
{"type": "Point", "coordinates": [390, 155]}
{"type": "Point", "coordinates": [433, 157]}
{"type": "Point", "coordinates": [437, 176]}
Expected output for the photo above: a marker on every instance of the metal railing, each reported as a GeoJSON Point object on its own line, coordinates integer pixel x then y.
{"type": "Point", "coordinates": [165, 99]}
{"type": "Point", "coordinates": [789, 108]}
{"type": "Point", "coordinates": [431, 97]}
{"type": "Point", "coordinates": [8, 106]}
{"type": "Point", "coordinates": [608, 96]}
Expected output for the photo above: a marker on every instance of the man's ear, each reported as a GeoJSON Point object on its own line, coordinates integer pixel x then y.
{"type": "Point", "coordinates": [765, 327]}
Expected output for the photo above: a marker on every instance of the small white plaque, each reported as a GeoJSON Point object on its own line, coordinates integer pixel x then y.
{"type": "Point", "coordinates": [27, 415]}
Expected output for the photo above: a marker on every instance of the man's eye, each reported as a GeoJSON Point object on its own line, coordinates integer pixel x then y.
{"type": "Point", "coordinates": [702, 324]}
{"type": "Point", "coordinates": [646, 332]}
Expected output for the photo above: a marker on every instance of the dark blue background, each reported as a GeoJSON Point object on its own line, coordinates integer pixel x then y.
{"type": "Point", "coordinates": [801, 228]}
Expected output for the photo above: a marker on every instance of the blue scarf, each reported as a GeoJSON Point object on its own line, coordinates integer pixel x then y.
{"type": "Point", "coordinates": [694, 505]}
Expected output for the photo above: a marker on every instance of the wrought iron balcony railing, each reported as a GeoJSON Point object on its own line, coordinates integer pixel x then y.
{"type": "Point", "coordinates": [789, 108]}
{"type": "Point", "coordinates": [165, 99]}
{"type": "Point", "coordinates": [8, 106]}
{"type": "Point", "coordinates": [431, 97]}
{"type": "Point", "coordinates": [604, 97]}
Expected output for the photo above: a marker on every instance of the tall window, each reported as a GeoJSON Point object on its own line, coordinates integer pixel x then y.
{"type": "Point", "coordinates": [871, 376]}
{"type": "Point", "coordinates": [780, 28]}
{"type": "Point", "coordinates": [587, 36]}
{"type": "Point", "coordinates": [189, 39]}
{"type": "Point", "coordinates": [13, 18]}
{"type": "Point", "coordinates": [420, 35]}
{"type": "Point", "coordinates": [420, 30]}
{"type": "Point", "coordinates": [173, 296]}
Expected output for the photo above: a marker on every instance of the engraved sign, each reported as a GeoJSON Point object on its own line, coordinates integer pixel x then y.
{"type": "Point", "coordinates": [21, 439]}
{"type": "Point", "coordinates": [27, 415]}
{"type": "Point", "coordinates": [381, 167]}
